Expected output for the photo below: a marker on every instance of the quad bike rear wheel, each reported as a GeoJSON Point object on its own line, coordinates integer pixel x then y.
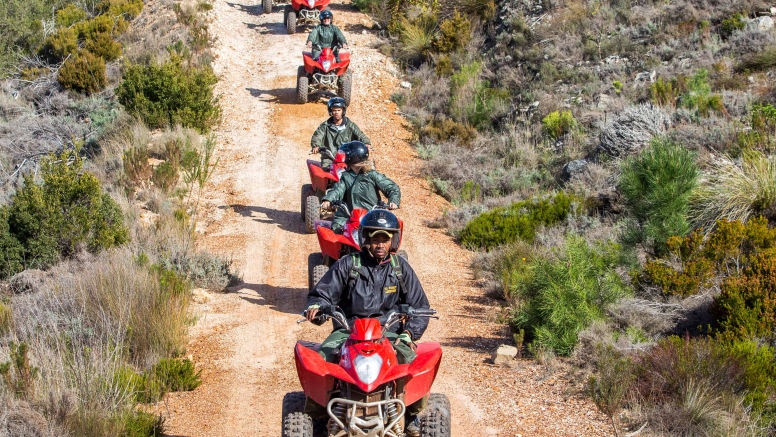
{"type": "Point", "coordinates": [302, 84]}
{"type": "Point", "coordinates": [435, 420]}
{"type": "Point", "coordinates": [297, 425]}
{"type": "Point", "coordinates": [267, 4]}
{"type": "Point", "coordinates": [307, 191]}
{"type": "Point", "coordinates": [291, 21]}
{"type": "Point", "coordinates": [313, 260]}
{"type": "Point", "coordinates": [344, 86]}
{"type": "Point", "coordinates": [312, 213]}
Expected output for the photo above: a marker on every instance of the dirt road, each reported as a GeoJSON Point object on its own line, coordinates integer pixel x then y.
{"type": "Point", "coordinates": [243, 339]}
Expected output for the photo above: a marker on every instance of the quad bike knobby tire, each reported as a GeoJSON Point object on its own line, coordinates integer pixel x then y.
{"type": "Point", "coordinates": [435, 420]}
{"type": "Point", "coordinates": [403, 253]}
{"type": "Point", "coordinates": [344, 86]}
{"type": "Point", "coordinates": [313, 260]}
{"type": "Point", "coordinates": [302, 84]}
{"type": "Point", "coordinates": [290, 21]}
{"type": "Point", "coordinates": [297, 425]}
{"type": "Point", "coordinates": [312, 213]}
{"type": "Point", "coordinates": [307, 191]}
{"type": "Point", "coordinates": [318, 272]}
{"type": "Point", "coordinates": [293, 402]}
{"type": "Point", "coordinates": [267, 4]}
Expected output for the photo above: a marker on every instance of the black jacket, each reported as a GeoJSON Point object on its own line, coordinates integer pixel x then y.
{"type": "Point", "coordinates": [375, 293]}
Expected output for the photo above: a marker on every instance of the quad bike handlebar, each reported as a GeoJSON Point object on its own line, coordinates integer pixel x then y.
{"type": "Point", "coordinates": [404, 313]}
{"type": "Point", "coordinates": [338, 204]}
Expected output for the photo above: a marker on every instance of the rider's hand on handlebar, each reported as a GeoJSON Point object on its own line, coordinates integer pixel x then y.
{"type": "Point", "coordinates": [326, 205]}
{"type": "Point", "coordinates": [405, 337]}
{"type": "Point", "coordinates": [309, 45]}
{"type": "Point", "coordinates": [315, 150]}
{"type": "Point", "coordinates": [393, 206]}
{"type": "Point", "coordinates": [311, 313]}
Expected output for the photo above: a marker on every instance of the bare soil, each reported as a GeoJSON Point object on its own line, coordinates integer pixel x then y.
{"type": "Point", "coordinates": [243, 339]}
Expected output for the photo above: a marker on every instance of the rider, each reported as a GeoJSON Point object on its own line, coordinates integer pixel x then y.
{"type": "Point", "coordinates": [325, 36]}
{"type": "Point", "coordinates": [360, 186]}
{"type": "Point", "coordinates": [372, 283]}
{"type": "Point", "coordinates": [334, 132]}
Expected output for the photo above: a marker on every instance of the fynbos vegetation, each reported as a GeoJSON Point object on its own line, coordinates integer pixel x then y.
{"type": "Point", "coordinates": [615, 164]}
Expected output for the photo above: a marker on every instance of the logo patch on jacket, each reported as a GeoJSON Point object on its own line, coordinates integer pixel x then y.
{"type": "Point", "coordinates": [389, 290]}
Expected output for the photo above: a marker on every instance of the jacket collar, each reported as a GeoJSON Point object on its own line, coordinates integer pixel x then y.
{"type": "Point", "coordinates": [330, 123]}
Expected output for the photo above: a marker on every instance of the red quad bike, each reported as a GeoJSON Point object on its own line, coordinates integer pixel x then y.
{"type": "Point", "coordinates": [321, 181]}
{"type": "Point", "coordinates": [368, 392]}
{"type": "Point", "coordinates": [324, 74]}
{"type": "Point", "coordinates": [302, 12]}
{"type": "Point", "coordinates": [334, 246]}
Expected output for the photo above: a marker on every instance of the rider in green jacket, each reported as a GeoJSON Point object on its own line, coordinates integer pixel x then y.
{"type": "Point", "coordinates": [334, 132]}
{"type": "Point", "coordinates": [360, 186]}
{"type": "Point", "coordinates": [326, 36]}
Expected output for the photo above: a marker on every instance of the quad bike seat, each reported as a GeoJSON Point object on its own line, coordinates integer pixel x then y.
{"type": "Point", "coordinates": [308, 54]}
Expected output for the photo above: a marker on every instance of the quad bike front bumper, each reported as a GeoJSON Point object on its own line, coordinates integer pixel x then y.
{"type": "Point", "coordinates": [308, 15]}
{"type": "Point", "coordinates": [324, 81]}
{"type": "Point", "coordinates": [351, 418]}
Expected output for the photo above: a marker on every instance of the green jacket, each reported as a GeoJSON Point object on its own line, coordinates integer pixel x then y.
{"type": "Point", "coordinates": [330, 137]}
{"type": "Point", "coordinates": [362, 191]}
{"type": "Point", "coordinates": [326, 36]}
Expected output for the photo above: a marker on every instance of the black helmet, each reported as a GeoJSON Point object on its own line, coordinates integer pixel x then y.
{"type": "Point", "coordinates": [337, 102]}
{"type": "Point", "coordinates": [326, 13]}
{"type": "Point", "coordinates": [355, 152]}
{"type": "Point", "coordinates": [380, 221]}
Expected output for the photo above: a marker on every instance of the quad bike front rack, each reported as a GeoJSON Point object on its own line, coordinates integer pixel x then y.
{"type": "Point", "coordinates": [341, 409]}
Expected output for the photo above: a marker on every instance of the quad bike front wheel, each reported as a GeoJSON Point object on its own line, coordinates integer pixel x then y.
{"type": "Point", "coordinates": [313, 260]}
{"type": "Point", "coordinates": [267, 4]}
{"type": "Point", "coordinates": [312, 213]}
{"type": "Point", "coordinates": [307, 191]}
{"type": "Point", "coordinates": [290, 21]}
{"type": "Point", "coordinates": [435, 420]}
{"type": "Point", "coordinates": [302, 84]}
{"type": "Point", "coordinates": [297, 425]}
{"type": "Point", "coordinates": [344, 86]}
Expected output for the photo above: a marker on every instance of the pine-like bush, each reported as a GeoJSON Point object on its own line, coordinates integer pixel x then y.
{"type": "Point", "coordinates": [84, 74]}
{"type": "Point", "coordinates": [656, 186]}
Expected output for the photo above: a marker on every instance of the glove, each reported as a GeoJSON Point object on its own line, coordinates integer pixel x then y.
{"type": "Point", "coordinates": [405, 337]}
{"type": "Point", "coordinates": [326, 205]}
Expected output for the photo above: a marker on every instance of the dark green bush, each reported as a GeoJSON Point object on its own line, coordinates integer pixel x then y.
{"type": "Point", "coordinates": [70, 15]}
{"type": "Point", "coordinates": [127, 9]}
{"type": "Point", "coordinates": [454, 34]}
{"type": "Point", "coordinates": [562, 295]}
{"type": "Point", "coordinates": [141, 424]}
{"type": "Point", "coordinates": [444, 129]}
{"type": "Point", "coordinates": [11, 251]}
{"type": "Point", "coordinates": [656, 185]}
{"type": "Point", "coordinates": [84, 74]}
{"type": "Point", "coordinates": [21, 28]}
{"type": "Point", "coordinates": [474, 101]}
{"type": "Point", "coordinates": [170, 94]}
{"type": "Point", "coordinates": [60, 45]}
{"type": "Point", "coordinates": [732, 24]}
{"type": "Point", "coordinates": [176, 375]}
{"type": "Point", "coordinates": [104, 46]}
{"type": "Point", "coordinates": [519, 221]}
{"type": "Point", "coordinates": [67, 211]}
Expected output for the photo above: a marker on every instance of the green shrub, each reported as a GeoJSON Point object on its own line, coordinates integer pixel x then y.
{"type": "Point", "coordinates": [566, 293]}
{"type": "Point", "coordinates": [99, 24]}
{"type": "Point", "coordinates": [666, 92]}
{"type": "Point", "coordinates": [519, 221]}
{"type": "Point", "coordinates": [656, 185]}
{"type": "Point", "coordinates": [136, 167]}
{"type": "Point", "coordinates": [17, 373]}
{"type": "Point", "coordinates": [11, 251]}
{"type": "Point", "coordinates": [165, 176]}
{"type": "Point", "coordinates": [21, 29]}
{"type": "Point", "coordinates": [70, 15]}
{"type": "Point", "coordinates": [484, 9]}
{"type": "Point", "coordinates": [699, 95]}
{"type": "Point", "coordinates": [60, 45]}
{"type": "Point", "coordinates": [170, 94]}
{"type": "Point", "coordinates": [127, 9]}
{"type": "Point", "coordinates": [176, 375]}
{"type": "Point", "coordinates": [557, 124]}
{"type": "Point", "coordinates": [141, 424]}
{"type": "Point", "coordinates": [473, 101]}
{"type": "Point", "coordinates": [611, 382]}
{"type": "Point", "coordinates": [454, 34]}
{"type": "Point", "coordinates": [444, 66]}
{"type": "Point", "coordinates": [732, 24]}
{"type": "Point", "coordinates": [365, 5]}
{"type": "Point", "coordinates": [103, 45]}
{"type": "Point", "coordinates": [84, 74]}
{"type": "Point", "coordinates": [6, 318]}
{"type": "Point", "coordinates": [416, 38]}
{"type": "Point", "coordinates": [445, 129]}
{"type": "Point", "coordinates": [736, 192]}
{"type": "Point", "coordinates": [68, 210]}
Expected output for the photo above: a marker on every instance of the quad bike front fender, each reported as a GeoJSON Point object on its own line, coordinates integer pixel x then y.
{"type": "Point", "coordinates": [341, 67]}
{"type": "Point", "coordinates": [318, 176]}
{"type": "Point", "coordinates": [331, 243]}
{"type": "Point", "coordinates": [422, 371]}
{"type": "Point", "coordinates": [316, 375]}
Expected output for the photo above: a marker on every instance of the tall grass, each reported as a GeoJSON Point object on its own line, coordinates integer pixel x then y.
{"type": "Point", "coordinates": [417, 38]}
{"type": "Point", "coordinates": [735, 191]}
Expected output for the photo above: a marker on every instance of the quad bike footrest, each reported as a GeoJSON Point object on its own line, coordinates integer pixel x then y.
{"type": "Point", "coordinates": [309, 14]}
{"type": "Point", "coordinates": [374, 426]}
{"type": "Point", "coordinates": [326, 79]}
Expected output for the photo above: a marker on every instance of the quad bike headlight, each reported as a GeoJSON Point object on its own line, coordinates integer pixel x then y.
{"type": "Point", "coordinates": [326, 65]}
{"type": "Point", "coordinates": [311, 3]}
{"type": "Point", "coordinates": [368, 367]}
